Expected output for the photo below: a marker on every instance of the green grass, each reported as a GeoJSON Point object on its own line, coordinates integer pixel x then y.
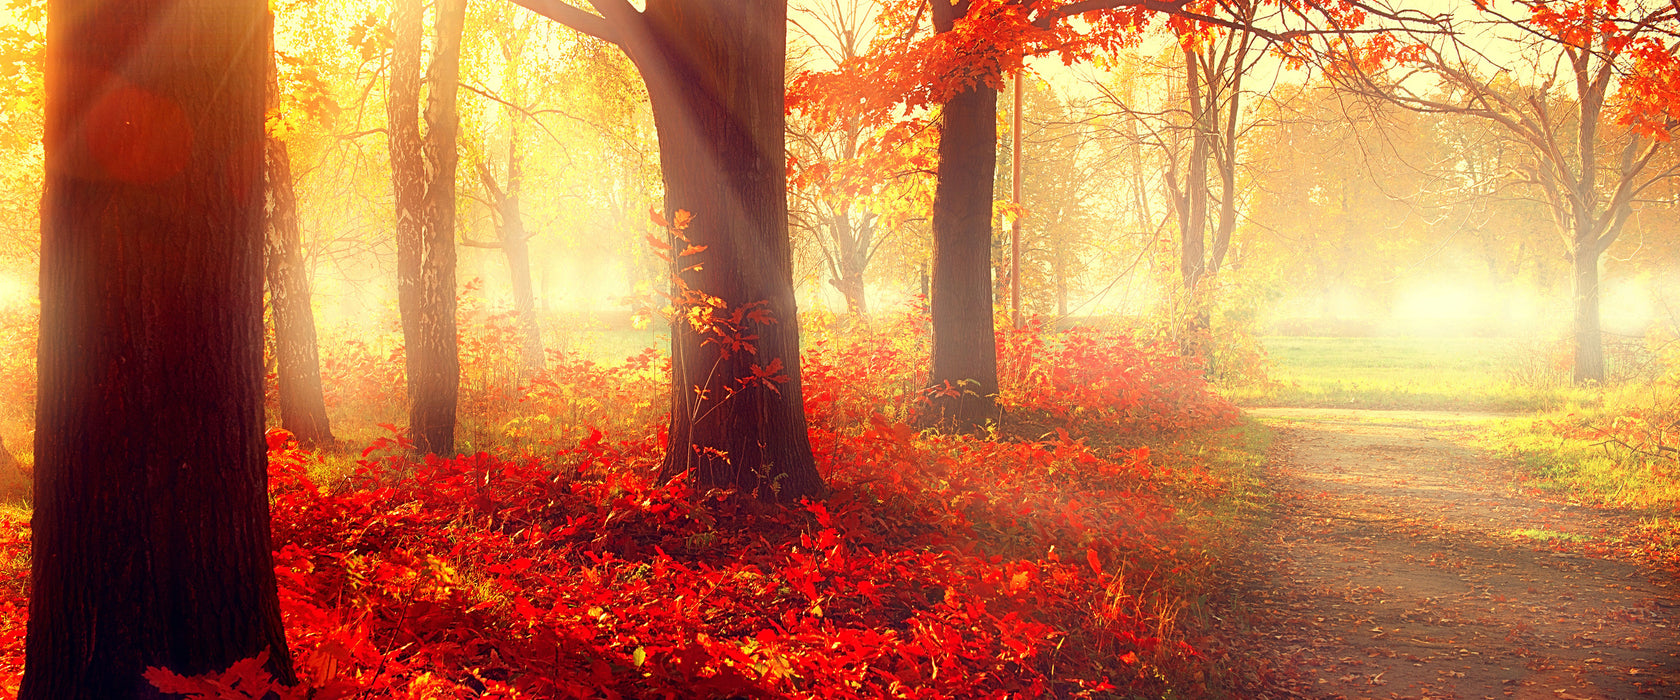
{"type": "Point", "coordinates": [1236, 459]}
{"type": "Point", "coordinates": [1546, 535]}
{"type": "Point", "coordinates": [1462, 374]}
{"type": "Point", "coordinates": [1583, 471]}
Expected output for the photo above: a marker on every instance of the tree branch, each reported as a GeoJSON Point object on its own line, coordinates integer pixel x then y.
{"type": "Point", "coordinates": [573, 17]}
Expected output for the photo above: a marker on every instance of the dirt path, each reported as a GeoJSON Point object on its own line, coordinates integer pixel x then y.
{"type": "Point", "coordinates": [1403, 565]}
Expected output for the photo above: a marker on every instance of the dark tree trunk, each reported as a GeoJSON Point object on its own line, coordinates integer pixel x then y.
{"type": "Point", "coordinates": [151, 525]}
{"type": "Point", "coordinates": [423, 180]}
{"type": "Point", "coordinates": [714, 70]}
{"type": "Point", "coordinates": [964, 380]}
{"type": "Point", "coordinates": [303, 407]}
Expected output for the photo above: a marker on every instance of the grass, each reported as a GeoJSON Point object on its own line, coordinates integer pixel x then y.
{"type": "Point", "coordinates": [1547, 535]}
{"type": "Point", "coordinates": [1497, 375]}
{"type": "Point", "coordinates": [1237, 459]}
{"type": "Point", "coordinates": [1458, 374]}
{"type": "Point", "coordinates": [1582, 471]}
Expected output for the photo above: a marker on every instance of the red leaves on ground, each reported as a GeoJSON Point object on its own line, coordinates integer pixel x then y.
{"type": "Point", "coordinates": [934, 570]}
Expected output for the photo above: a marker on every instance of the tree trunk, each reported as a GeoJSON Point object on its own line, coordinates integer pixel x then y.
{"type": "Point", "coordinates": [964, 381]}
{"type": "Point", "coordinates": [423, 181]}
{"type": "Point", "coordinates": [303, 407]}
{"type": "Point", "coordinates": [516, 246]}
{"type": "Point", "coordinates": [1060, 261]}
{"type": "Point", "coordinates": [715, 71]}
{"type": "Point", "coordinates": [852, 243]}
{"type": "Point", "coordinates": [514, 238]}
{"type": "Point", "coordinates": [1589, 338]}
{"type": "Point", "coordinates": [1192, 212]}
{"type": "Point", "coordinates": [151, 524]}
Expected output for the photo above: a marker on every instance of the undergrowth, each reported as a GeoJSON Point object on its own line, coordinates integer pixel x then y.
{"type": "Point", "coordinates": [1073, 563]}
{"type": "Point", "coordinates": [1616, 447]}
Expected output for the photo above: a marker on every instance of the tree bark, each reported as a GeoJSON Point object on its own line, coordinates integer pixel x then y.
{"type": "Point", "coordinates": [715, 71]}
{"type": "Point", "coordinates": [423, 181]}
{"type": "Point", "coordinates": [515, 241]}
{"type": "Point", "coordinates": [151, 524]}
{"type": "Point", "coordinates": [303, 406]}
{"type": "Point", "coordinates": [1589, 337]}
{"type": "Point", "coordinates": [964, 380]}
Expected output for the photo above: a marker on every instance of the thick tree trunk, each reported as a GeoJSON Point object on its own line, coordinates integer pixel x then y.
{"type": "Point", "coordinates": [714, 70]}
{"type": "Point", "coordinates": [151, 525]}
{"type": "Point", "coordinates": [1589, 338]}
{"type": "Point", "coordinates": [964, 381]}
{"type": "Point", "coordinates": [303, 407]}
{"type": "Point", "coordinates": [423, 181]}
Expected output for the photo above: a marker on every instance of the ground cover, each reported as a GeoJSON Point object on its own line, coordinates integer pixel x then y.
{"type": "Point", "coordinates": [1072, 554]}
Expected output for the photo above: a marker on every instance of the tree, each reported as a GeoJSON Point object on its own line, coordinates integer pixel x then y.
{"type": "Point", "coordinates": [1592, 134]}
{"type": "Point", "coordinates": [1214, 68]}
{"type": "Point", "coordinates": [511, 38]}
{"type": "Point", "coordinates": [963, 378]}
{"type": "Point", "coordinates": [958, 67]}
{"type": "Point", "coordinates": [714, 72]}
{"type": "Point", "coordinates": [303, 406]}
{"type": "Point", "coordinates": [151, 526]}
{"type": "Point", "coordinates": [832, 186]}
{"type": "Point", "coordinates": [423, 180]}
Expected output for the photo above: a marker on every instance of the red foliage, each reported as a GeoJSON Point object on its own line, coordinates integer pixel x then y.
{"type": "Point", "coordinates": [940, 567]}
{"type": "Point", "coordinates": [1086, 380]}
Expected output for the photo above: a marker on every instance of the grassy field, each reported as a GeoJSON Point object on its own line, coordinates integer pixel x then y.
{"type": "Point", "coordinates": [1465, 374]}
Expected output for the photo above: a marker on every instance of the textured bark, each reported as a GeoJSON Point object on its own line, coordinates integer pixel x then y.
{"type": "Point", "coordinates": [151, 525]}
{"type": "Point", "coordinates": [303, 406]}
{"type": "Point", "coordinates": [423, 180]}
{"type": "Point", "coordinates": [714, 70]}
{"type": "Point", "coordinates": [964, 379]}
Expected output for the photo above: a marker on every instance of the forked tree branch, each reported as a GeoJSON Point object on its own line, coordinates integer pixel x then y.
{"type": "Point", "coordinates": [557, 10]}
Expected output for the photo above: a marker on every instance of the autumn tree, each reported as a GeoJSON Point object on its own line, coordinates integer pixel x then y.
{"type": "Point", "coordinates": [714, 71]}
{"type": "Point", "coordinates": [1342, 199]}
{"type": "Point", "coordinates": [303, 406]}
{"type": "Point", "coordinates": [831, 190]}
{"type": "Point", "coordinates": [955, 64]}
{"type": "Point", "coordinates": [1600, 108]}
{"type": "Point", "coordinates": [423, 180]}
{"type": "Point", "coordinates": [151, 525]}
